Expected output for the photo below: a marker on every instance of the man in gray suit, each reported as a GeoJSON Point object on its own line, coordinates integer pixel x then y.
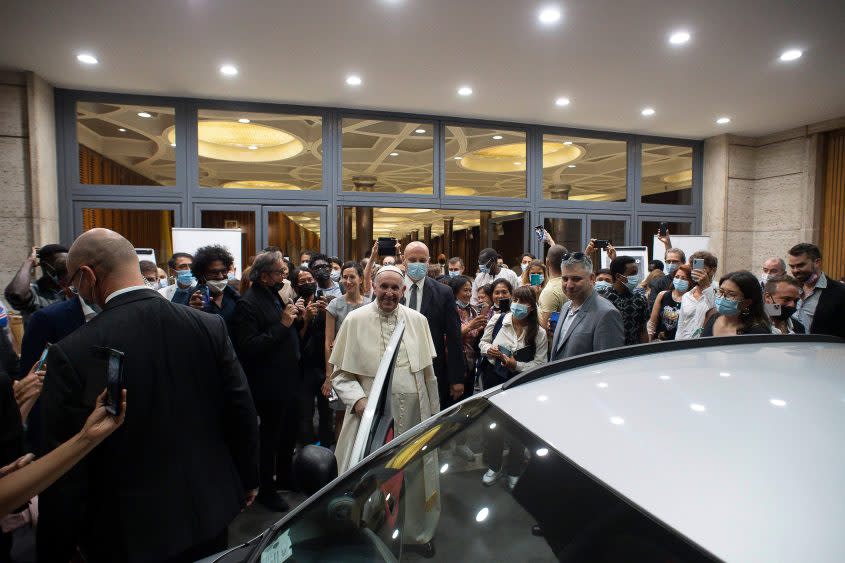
{"type": "Point", "coordinates": [588, 322]}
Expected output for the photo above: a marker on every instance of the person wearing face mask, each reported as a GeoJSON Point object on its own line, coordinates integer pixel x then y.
{"type": "Point", "coordinates": [214, 294]}
{"type": "Point", "coordinates": [180, 291]}
{"type": "Point", "coordinates": [700, 299]}
{"type": "Point", "coordinates": [739, 307]}
{"type": "Point", "coordinates": [524, 262]}
{"type": "Point", "coordinates": [604, 281]}
{"type": "Point", "coordinates": [337, 268]}
{"type": "Point", "coordinates": [193, 435]}
{"type": "Point", "coordinates": [162, 278]}
{"type": "Point", "coordinates": [513, 342]}
{"type": "Point", "coordinates": [822, 306]}
{"type": "Point", "coordinates": [472, 326]}
{"type": "Point", "coordinates": [631, 304]}
{"type": "Point", "coordinates": [437, 303]}
{"type": "Point", "coordinates": [321, 268]}
{"type": "Point", "coordinates": [489, 271]}
{"type": "Point", "coordinates": [268, 350]}
{"type": "Point", "coordinates": [26, 295]}
{"type": "Point", "coordinates": [672, 258]}
{"type": "Point", "coordinates": [772, 268]}
{"type": "Point", "coordinates": [304, 258]}
{"type": "Point", "coordinates": [664, 315]}
{"type": "Point", "coordinates": [455, 267]}
{"type": "Point", "coordinates": [149, 271]}
{"type": "Point", "coordinates": [785, 292]}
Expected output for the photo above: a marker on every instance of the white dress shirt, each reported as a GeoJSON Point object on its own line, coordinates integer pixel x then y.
{"type": "Point", "coordinates": [420, 288]}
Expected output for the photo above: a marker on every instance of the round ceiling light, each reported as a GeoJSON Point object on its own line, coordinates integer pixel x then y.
{"type": "Point", "coordinates": [679, 37]}
{"type": "Point", "coordinates": [353, 80]}
{"type": "Point", "coordinates": [228, 70]}
{"type": "Point", "coordinates": [144, 114]}
{"type": "Point", "coordinates": [261, 185]}
{"type": "Point", "coordinates": [503, 158]}
{"type": "Point", "coordinates": [87, 58]}
{"type": "Point", "coordinates": [791, 55]}
{"type": "Point", "coordinates": [562, 102]}
{"type": "Point", "coordinates": [394, 154]}
{"type": "Point", "coordinates": [723, 120]}
{"type": "Point", "coordinates": [682, 178]}
{"type": "Point", "coordinates": [549, 15]}
{"type": "Point", "coordinates": [648, 112]}
{"type": "Point", "coordinates": [121, 129]}
{"type": "Point", "coordinates": [497, 137]}
{"type": "Point", "coordinates": [243, 120]}
{"type": "Point", "coordinates": [420, 131]}
{"type": "Point", "coordinates": [465, 91]}
{"type": "Point", "coordinates": [242, 142]}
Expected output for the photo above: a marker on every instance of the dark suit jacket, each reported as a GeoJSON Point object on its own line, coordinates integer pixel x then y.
{"type": "Point", "coordinates": [175, 474]}
{"type": "Point", "coordinates": [268, 351]}
{"type": "Point", "coordinates": [830, 312]}
{"type": "Point", "coordinates": [438, 306]}
{"type": "Point", "coordinates": [50, 324]}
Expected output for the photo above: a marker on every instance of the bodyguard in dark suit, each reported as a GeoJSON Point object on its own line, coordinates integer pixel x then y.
{"type": "Point", "coordinates": [268, 348]}
{"type": "Point", "coordinates": [436, 302]}
{"type": "Point", "coordinates": [164, 486]}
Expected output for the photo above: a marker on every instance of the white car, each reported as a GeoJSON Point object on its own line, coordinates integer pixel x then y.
{"type": "Point", "coordinates": [713, 449]}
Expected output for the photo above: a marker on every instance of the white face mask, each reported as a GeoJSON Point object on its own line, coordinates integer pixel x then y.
{"type": "Point", "coordinates": [335, 275]}
{"type": "Point", "coordinates": [218, 285]}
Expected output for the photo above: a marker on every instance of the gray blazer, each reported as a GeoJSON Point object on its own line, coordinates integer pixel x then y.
{"type": "Point", "coordinates": [596, 326]}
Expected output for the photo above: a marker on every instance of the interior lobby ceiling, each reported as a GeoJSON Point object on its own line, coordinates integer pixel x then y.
{"type": "Point", "coordinates": [611, 59]}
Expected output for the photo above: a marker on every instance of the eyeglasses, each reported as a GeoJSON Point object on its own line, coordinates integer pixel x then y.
{"type": "Point", "coordinates": [574, 256]}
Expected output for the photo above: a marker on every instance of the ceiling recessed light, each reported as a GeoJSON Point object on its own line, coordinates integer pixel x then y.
{"type": "Point", "coordinates": [87, 58]}
{"type": "Point", "coordinates": [243, 120]}
{"type": "Point", "coordinates": [723, 120]}
{"type": "Point", "coordinates": [679, 37]}
{"type": "Point", "coordinates": [778, 402]}
{"type": "Point", "coordinates": [394, 154]}
{"type": "Point", "coordinates": [549, 15]}
{"type": "Point", "coordinates": [252, 148]}
{"type": "Point", "coordinates": [562, 102]}
{"type": "Point", "coordinates": [353, 80]}
{"type": "Point", "coordinates": [497, 137]}
{"type": "Point", "coordinates": [144, 114]}
{"type": "Point", "coordinates": [517, 164]}
{"type": "Point", "coordinates": [465, 91]}
{"type": "Point", "coordinates": [697, 407]}
{"type": "Point", "coordinates": [121, 129]}
{"type": "Point", "coordinates": [617, 420]}
{"type": "Point", "coordinates": [791, 55]}
{"type": "Point", "coordinates": [571, 166]}
{"type": "Point", "coordinates": [567, 143]}
{"type": "Point", "coordinates": [172, 144]}
{"type": "Point", "coordinates": [648, 112]}
{"type": "Point", "coordinates": [229, 70]}
{"type": "Point", "coordinates": [459, 158]}
{"type": "Point", "coordinates": [420, 131]}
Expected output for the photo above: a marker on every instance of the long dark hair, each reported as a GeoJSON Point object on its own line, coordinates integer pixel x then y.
{"type": "Point", "coordinates": [749, 285]}
{"type": "Point", "coordinates": [524, 294]}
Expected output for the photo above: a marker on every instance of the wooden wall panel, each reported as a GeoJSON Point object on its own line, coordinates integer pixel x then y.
{"type": "Point", "coordinates": [213, 219]}
{"type": "Point", "coordinates": [144, 228]}
{"type": "Point", "coordinates": [833, 207]}
{"type": "Point", "coordinates": [95, 168]}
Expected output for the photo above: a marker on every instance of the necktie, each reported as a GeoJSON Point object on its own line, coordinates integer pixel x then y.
{"type": "Point", "coordinates": [413, 302]}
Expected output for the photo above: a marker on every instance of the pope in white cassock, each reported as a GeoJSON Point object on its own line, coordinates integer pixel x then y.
{"type": "Point", "coordinates": [357, 352]}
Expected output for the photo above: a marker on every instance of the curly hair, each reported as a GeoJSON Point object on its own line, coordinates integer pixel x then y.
{"type": "Point", "coordinates": [208, 254]}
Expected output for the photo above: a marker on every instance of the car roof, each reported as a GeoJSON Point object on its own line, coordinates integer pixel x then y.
{"type": "Point", "coordinates": [736, 443]}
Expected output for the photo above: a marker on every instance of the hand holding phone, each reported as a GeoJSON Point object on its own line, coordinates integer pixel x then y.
{"type": "Point", "coordinates": [540, 232]}
{"type": "Point", "coordinates": [663, 230]}
{"type": "Point", "coordinates": [114, 381]}
{"type": "Point", "coordinates": [601, 243]}
{"type": "Point", "coordinates": [42, 360]}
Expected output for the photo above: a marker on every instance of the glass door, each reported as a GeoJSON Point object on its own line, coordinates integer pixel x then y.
{"type": "Point", "coordinates": [294, 229]}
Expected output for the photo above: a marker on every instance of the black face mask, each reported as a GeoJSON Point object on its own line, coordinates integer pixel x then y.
{"type": "Point", "coordinates": [322, 274]}
{"type": "Point", "coordinates": [307, 289]}
{"type": "Point", "coordinates": [786, 311]}
{"type": "Point", "coordinates": [277, 287]}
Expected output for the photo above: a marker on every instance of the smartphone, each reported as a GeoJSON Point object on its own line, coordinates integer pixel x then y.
{"type": "Point", "coordinates": [206, 296]}
{"type": "Point", "coordinates": [505, 351]}
{"type": "Point", "coordinates": [540, 232]}
{"type": "Point", "coordinates": [536, 279]}
{"type": "Point", "coordinates": [663, 229]}
{"type": "Point", "coordinates": [333, 396]}
{"type": "Point", "coordinates": [553, 319]}
{"type": "Point", "coordinates": [43, 359]}
{"type": "Point", "coordinates": [386, 246]}
{"type": "Point", "coordinates": [601, 243]}
{"type": "Point", "coordinates": [504, 305]}
{"type": "Point", "coordinates": [698, 264]}
{"type": "Point", "coordinates": [772, 309]}
{"type": "Point", "coordinates": [114, 381]}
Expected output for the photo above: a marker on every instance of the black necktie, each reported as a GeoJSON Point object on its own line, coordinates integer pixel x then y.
{"type": "Point", "coordinates": [413, 302]}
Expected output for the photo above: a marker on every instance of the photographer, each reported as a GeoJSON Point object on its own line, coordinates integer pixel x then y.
{"type": "Point", "coordinates": [214, 294]}
{"type": "Point", "coordinates": [26, 295]}
{"type": "Point", "coordinates": [696, 302]}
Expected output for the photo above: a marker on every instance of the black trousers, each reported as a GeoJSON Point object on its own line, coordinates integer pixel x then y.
{"type": "Point", "coordinates": [310, 390]}
{"type": "Point", "coordinates": [494, 446]}
{"type": "Point", "coordinates": [277, 440]}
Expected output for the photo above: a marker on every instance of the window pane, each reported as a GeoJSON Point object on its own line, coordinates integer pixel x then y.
{"type": "Point", "coordinates": [270, 151]}
{"type": "Point", "coordinates": [485, 162]}
{"type": "Point", "coordinates": [387, 156]}
{"type": "Point", "coordinates": [502, 230]}
{"type": "Point", "coordinates": [243, 220]}
{"type": "Point", "coordinates": [650, 228]}
{"type": "Point", "coordinates": [667, 174]}
{"type": "Point", "coordinates": [126, 145]}
{"type": "Point", "coordinates": [566, 232]}
{"type": "Point", "coordinates": [581, 169]}
{"type": "Point", "coordinates": [144, 228]}
{"type": "Point", "coordinates": [294, 232]}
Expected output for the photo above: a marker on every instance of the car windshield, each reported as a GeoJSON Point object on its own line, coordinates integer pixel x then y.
{"type": "Point", "coordinates": [472, 484]}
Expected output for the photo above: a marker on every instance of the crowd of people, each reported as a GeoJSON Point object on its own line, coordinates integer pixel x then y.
{"type": "Point", "coordinates": [227, 376]}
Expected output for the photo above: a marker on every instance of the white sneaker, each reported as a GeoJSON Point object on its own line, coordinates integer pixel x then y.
{"type": "Point", "coordinates": [464, 453]}
{"type": "Point", "coordinates": [490, 477]}
{"type": "Point", "coordinates": [512, 481]}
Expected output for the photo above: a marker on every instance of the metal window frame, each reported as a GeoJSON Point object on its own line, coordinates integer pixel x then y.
{"type": "Point", "coordinates": [187, 194]}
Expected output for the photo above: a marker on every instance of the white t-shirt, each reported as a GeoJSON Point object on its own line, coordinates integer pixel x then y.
{"type": "Point", "coordinates": [692, 313]}
{"type": "Point", "coordinates": [483, 279]}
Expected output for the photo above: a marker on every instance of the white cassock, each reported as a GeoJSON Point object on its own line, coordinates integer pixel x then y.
{"type": "Point", "coordinates": [356, 355]}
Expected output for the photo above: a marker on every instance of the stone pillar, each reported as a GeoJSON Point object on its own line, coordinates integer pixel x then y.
{"type": "Point", "coordinates": [364, 229]}
{"type": "Point", "coordinates": [484, 229]}
{"type": "Point", "coordinates": [427, 235]}
{"type": "Point", "coordinates": [559, 231]}
{"type": "Point", "coordinates": [415, 234]}
{"type": "Point", "coordinates": [364, 183]}
{"type": "Point", "coordinates": [448, 224]}
{"type": "Point", "coordinates": [348, 249]}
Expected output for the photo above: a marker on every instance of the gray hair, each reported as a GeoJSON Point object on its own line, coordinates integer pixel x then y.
{"type": "Point", "coordinates": [264, 263]}
{"type": "Point", "coordinates": [781, 263]}
{"type": "Point", "coordinates": [583, 262]}
{"type": "Point", "coordinates": [677, 251]}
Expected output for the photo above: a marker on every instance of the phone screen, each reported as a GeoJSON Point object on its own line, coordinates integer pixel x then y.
{"type": "Point", "coordinates": [505, 350]}
{"type": "Point", "coordinates": [536, 279]}
{"type": "Point", "coordinates": [540, 231]}
{"type": "Point", "coordinates": [698, 264]}
{"type": "Point", "coordinates": [43, 359]}
{"type": "Point", "coordinates": [114, 382]}
{"type": "Point", "coordinates": [601, 243]}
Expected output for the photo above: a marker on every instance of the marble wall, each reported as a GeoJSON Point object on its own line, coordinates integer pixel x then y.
{"type": "Point", "coordinates": [762, 195]}
{"type": "Point", "coordinates": [29, 206]}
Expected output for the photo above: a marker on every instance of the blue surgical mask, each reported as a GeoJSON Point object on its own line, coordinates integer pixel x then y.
{"type": "Point", "coordinates": [519, 310]}
{"type": "Point", "coordinates": [484, 268]}
{"type": "Point", "coordinates": [680, 285]}
{"type": "Point", "coordinates": [523, 266]}
{"type": "Point", "coordinates": [454, 273]}
{"type": "Point", "coordinates": [162, 283]}
{"type": "Point", "coordinates": [632, 282]}
{"type": "Point", "coordinates": [417, 270]}
{"type": "Point", "coordinates": [670, 269]}
{"type": "Point", "coordinates": [603, 286]}
{"type": "Point", "coordinates": [185, 278]}
{"type": "Point", "coordinates": [231, 276]}
{"type": "Point", "coordinates": [727, 307]}
{"type": "Point", "coordinates": [461, 304]}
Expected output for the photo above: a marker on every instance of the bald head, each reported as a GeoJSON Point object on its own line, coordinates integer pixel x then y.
{"type": "Point", "coordinates": [104, 251]}
{"type": "Point", "coordinates": [416, 251]}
